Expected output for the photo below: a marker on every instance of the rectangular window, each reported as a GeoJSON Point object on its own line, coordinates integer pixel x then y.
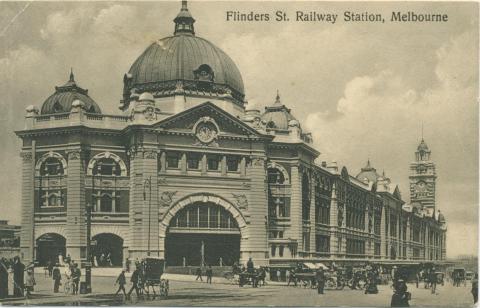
{"type": "Point", "coordinates": [213, 163]}
{"type": "Point", "coordinates": [280, 251]}
{"type": "Point", "coordinates": [322, 243]}
{"type": "Point", "coordinates": [273, 249]}
{"type": "Point", "coordinates": [376, 249]}
{"type": "Point", "coordinates": [193, 161]}
{"type": "Point", "coordinates": [232, 163]}
{"type": "Point", "coordinates": [172, 160]}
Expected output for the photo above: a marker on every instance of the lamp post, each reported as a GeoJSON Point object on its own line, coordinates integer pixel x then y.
{"type": "Point", "coordinates": [88, 250]}
{"type": "Point", "coordinates": [149, 183]}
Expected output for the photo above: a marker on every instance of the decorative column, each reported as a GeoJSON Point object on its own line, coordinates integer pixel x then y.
{"type": "Point", "coordinates": [383, 233]}
{"type": "Point", "coordinates": [313, 219]}
{"type": "Point", "coordinates": [408, 241]}
{"type": "Point", "coordinates": [27, 240]}
{"type": "Point", "coordinates": [333, 222]}
{"type": "Point", "coordinates": [76, 220]}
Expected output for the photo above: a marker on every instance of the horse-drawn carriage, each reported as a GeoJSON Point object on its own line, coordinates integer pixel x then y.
{"type": "Point", "coordinates": [152, 275]}
{"type": "Point", "coordinates": [254, 278]}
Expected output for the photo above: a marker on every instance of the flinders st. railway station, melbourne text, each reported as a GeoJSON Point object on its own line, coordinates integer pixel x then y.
{"type": "Point", "coordinates": [186, 172]}
{"type": "Point", "coordinates": [332, 18]}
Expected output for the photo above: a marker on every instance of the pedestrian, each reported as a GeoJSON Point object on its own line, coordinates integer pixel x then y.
{"type": "Point", "coordinates": [250, 267]}
{"type": "Point", "coordinates": [400, 296]}
{"type": "Point", "coordinates": [134, 280]}
{"type": "Point", "coordinates": [433, 280]}
{"type": "Point", "coordinates": [417, 278]}
{"type": "Point", "coordinates": [3, 279]}
{"type": "Point", "coordinates": [320, 278]}
{"type": "Point", "coordinates": [475, 288]}
{"type": "Point", "coordinates": [127, 265]}
{"type": "Point", "coordinates": [209, 274]}
{"type": "Point", "coordinates": [76, 273]}
{"type": "Point", "coordinates": [57, 277]}
{"type": "Point", "coordinates": [121, 281]}
{"type": "Point", "coordinates": [18, 277]}
{"type": "Point", "coordinates": [29, 280]}
{"type": "Point", "coordinates": [199, 274]}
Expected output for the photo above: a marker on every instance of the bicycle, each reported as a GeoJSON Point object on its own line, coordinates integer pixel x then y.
{"type": "Point", "coordinates": [68, 286]}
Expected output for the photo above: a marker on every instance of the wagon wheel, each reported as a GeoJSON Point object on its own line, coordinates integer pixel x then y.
{"type": "Point", "coordinates": [361, 284]}
{"type": "Point", "coordinates": [330, 283]}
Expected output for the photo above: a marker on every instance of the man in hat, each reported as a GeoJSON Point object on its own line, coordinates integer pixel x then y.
{"type": "Point", "coordinates": [3, 278]}
{"type": "Point", "coordinates": [18, 277]}
{"type": "Point", "coordinates": [433, 280]}
{"type": "Point", "coordinates": [320, 277]}
{"type": "Point", "coordinates": [122, 281]}
{"type": "Point", "coordinates": [76, 273]}
{"type": "Point", "coordinates": [57, 277]}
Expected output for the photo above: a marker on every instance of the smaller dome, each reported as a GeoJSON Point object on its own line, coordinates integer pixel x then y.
{"type": "Point", "coordinates": [368, 173]}
{"type": "Point", "coordinates": [146, 96]}
{"type": "Point", "coordinates": [61, 101]}
{"type": "Point", "coordinates": [278, 116]}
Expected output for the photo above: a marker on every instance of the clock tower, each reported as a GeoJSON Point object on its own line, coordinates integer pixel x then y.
{"type": "Point", "coordinates": [422, 180]}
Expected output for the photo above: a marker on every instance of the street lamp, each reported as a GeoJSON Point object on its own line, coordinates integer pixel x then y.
{"type": "Point", "coordinates": [149, 183]}
{"type": "Point", "coordinates": [88, 212]}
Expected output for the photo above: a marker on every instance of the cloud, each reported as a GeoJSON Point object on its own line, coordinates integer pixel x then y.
{"type": "Point", "coordinates": [381, 116]}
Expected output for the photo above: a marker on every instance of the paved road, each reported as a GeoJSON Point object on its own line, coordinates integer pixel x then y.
{"type": "Point", "coordinates": [189, 293]}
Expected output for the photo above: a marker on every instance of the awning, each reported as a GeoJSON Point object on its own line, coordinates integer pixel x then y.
{"type": "Point", "coordinates": [315, 265]}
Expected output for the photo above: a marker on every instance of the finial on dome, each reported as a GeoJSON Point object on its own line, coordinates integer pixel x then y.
{"type": "Point", "coordinates": [277, 99]}
{"type": "Point", "coordinates": [72, 77]}
{"type": "Point", "coordinates": [184, 21]}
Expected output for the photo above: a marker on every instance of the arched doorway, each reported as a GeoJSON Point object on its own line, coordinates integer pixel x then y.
{"type": "Point", "coordinates": [202, 232]}
{"type": "Point", "coordinates": [107, 250]}
{"type": "Point", "coordinates": [49, 247]}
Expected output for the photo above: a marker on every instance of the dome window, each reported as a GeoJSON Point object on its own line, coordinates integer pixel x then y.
{"type": "Point", "coordinates": [204, 73]}
{"type": "Point", "coordinates": [57, 108]}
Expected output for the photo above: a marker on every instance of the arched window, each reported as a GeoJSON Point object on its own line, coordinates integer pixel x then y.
{"type": "Point", "coordinates": [57, 107]}
{"type": "Point", "coordinates": [51, 166]}
{"type": "Point", "coordinates": [106, 166]}
{"type": "Point", "coordinates": [305, 197]}
{"type": "Point", "coordinates": [106, 203]}
{"type": "Point", "coordinates": [275, 176]}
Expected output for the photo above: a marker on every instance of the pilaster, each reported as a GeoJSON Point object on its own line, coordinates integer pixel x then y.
{"type": "Point", "coordinates": [76, 224]}
{"type": "Point", "coordinates": [333, 222]}
{"type": "Point", "coordinates": [27, 241]}
{"type": "Point", "coordinates": [296, 206]}
{"type": "Point", "coordinates": [256, 246]}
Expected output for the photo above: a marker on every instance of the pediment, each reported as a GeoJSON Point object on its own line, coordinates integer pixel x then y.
{"type": "Point", "coordinates": [207, 119]}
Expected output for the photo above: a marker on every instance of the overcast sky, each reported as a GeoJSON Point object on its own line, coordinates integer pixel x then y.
{"type": "Point", "coordinates": [362, 89]}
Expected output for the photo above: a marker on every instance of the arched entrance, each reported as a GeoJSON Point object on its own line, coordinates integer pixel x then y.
{"type": "Point", "coordinates": [107, 250]}
{"type": "Point", "coordinates": [202, 232]}
{"type": "Point", "coordinates": [49, 246]}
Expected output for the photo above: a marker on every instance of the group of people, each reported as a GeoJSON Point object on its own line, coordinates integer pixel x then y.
{"type": "Point", "coordinates": [138, 280]}
{"type": "Point", "coordinates": [23, 281]}
{"type": "Point", "coordinates": [208, 273]}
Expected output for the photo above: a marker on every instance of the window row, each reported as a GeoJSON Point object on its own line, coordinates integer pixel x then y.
{"type": "Point", "coordinates": [107, 164]}
{"type": "Point", "coordinates": [355, 247]}
{"type": "Point", "coordinates": [198, 161]}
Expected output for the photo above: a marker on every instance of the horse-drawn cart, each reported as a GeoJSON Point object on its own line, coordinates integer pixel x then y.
{"type": "Point", "coordinates": [152, 273]}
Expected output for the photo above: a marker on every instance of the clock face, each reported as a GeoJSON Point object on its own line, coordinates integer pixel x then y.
{"type": "Point", "coordinates": [421, 187]}
{"type": "Point", "coordinates": [421, 169]}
